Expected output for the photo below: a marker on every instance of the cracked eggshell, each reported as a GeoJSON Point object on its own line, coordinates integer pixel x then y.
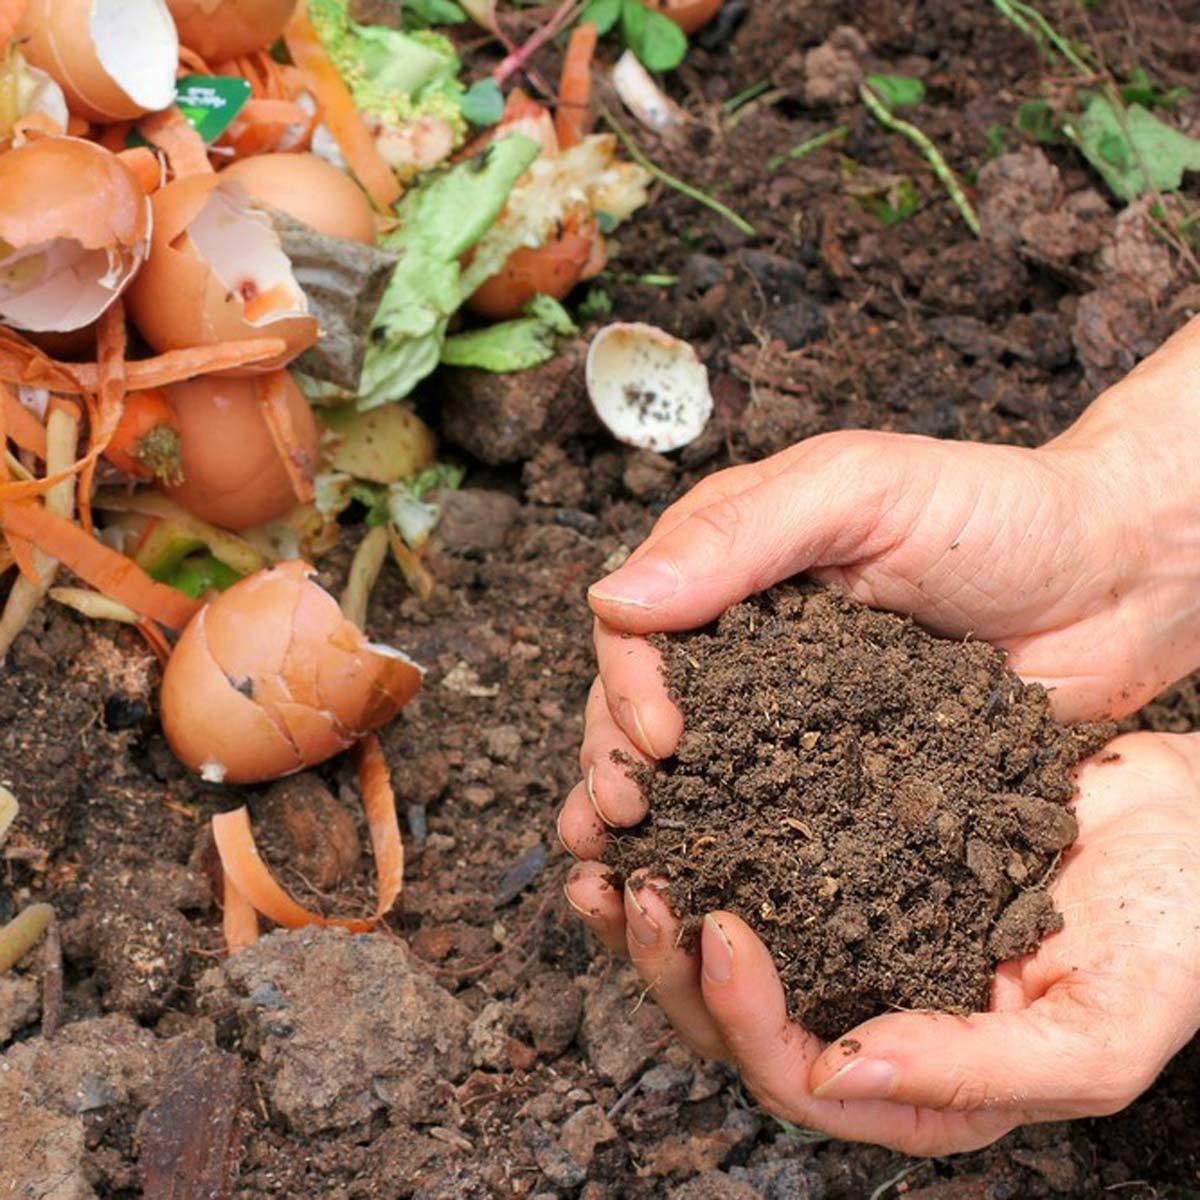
{"type": "Point", "coordinates": [74, 230]}
{"type": "Point", "coordinates": [218, 30]}
{"type": "Point", "coordinates": [217, 273]}
{"type": "Point", "coordinates": [650, 389]}
{"type": "Point", "coordinates": [232, 473]}
{"type": "Point", "coordinates": [115, 60]}
{"type": "Point", "coordinates": [271, 678]}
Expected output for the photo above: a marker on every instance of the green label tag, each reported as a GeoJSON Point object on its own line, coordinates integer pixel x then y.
{"type": "Point", "coordinates": [208, 102]}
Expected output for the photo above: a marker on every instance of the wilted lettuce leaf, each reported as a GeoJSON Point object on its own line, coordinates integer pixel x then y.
{"type": "Point", "coordinates": [513, 345]}
{"type": "Point", "coordinates": [439, 221]}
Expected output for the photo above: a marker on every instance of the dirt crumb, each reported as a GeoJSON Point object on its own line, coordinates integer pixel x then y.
{"type": "Point", "coordinates": [883, 806]}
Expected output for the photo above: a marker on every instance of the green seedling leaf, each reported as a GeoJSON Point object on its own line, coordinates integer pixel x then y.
{"type": "Point", "coordinates": [1134, 151]}
{"type": "Point", "coordinates": [1138, 89]}
{"type": "Point", "coordinates": [655, 39]}
{"type": "Point", "coordinates": [995, 139]}
{"type": "Point", "coordinates": [1036, 119]}
{"type": "Point", "coordinates": [420, 14]}
{"type": "Point", "coordinates": [897, 204]}
{"type": "Point", "coordinates": [597, 303]}
{"type": "Point", "coordinates": [483, 102]}
{"type": "Point", "coordinates": [897, 91]}
{"type": "Point", "coordinates": [604, 14]}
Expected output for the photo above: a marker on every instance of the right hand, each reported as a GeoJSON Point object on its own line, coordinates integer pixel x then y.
{"type": "Point", "coordinates": [1076, 558]}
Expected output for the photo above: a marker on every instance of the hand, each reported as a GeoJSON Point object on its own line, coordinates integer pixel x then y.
{"type": "Point", "coordinates": [1079, 1028]}
{"type": "Point", "coordinates": [1078, 558]}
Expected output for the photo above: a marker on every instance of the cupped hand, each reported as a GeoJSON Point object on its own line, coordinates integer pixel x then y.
{"type": "Point", "coordinates": [1079, 1028]}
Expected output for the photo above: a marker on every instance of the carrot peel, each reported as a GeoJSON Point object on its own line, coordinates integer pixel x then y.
{"type": "Point", "coordinates": [379, 806]}
{"type": "Point", "coordinates": [575, 89]}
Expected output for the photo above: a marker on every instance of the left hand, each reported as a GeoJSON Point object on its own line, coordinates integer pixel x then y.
{"type": "Point", "coordinates": [1079, 1028]}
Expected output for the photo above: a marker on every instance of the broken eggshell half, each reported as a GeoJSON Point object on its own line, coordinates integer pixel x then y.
{"type": "Point", "coordinates": [217, 273]}
{"type": "Point", "coordinates": [270, 678]}
{"type": "Point", "coordinates": [650, 389]}
{"type": "Point", "coordinates": [218, 30]}
{"type": "Point", "coordinates": [114, 59]}
{"type": "Point", "coordinates": [74, 229]}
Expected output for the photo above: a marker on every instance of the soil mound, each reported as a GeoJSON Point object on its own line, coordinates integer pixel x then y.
{"type": "Point", "coordinates": [883, 806]}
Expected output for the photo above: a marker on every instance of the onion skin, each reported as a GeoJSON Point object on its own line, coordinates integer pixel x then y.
{"type": "Point", "coordinates": [270, 678]}
{"type": "Point", "coordinates": [232, 473]}
{"type": "Point", "coordinates": [219, 30]}
{"type": "Point", "coordinates": [177, 302]}
{"type": "Point", "coordinates": [309, 190]}
{"type": "Point", "coordinates": [689, 15]}
{"type": "Point", "coordinates": [550, 270]}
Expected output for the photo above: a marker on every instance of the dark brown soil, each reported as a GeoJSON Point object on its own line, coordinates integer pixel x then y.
{"type": "Point", "coordinates": [286, 1072]}
{"type": "Point", "coordinates": [883, 806]}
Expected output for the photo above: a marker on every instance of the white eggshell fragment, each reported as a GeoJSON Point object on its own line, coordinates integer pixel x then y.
{"type": "Point", "coordinates": [650, 389]}
{"type": "Point", "coordinates": [643, 97]}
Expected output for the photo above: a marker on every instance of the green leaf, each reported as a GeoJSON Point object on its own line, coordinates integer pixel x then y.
{"type": "Point", "coordinates": [419, 14]}
{"type": "Point", "coordinates": [1134, 151]}
{"type": "Point", "coordinates": [483, 102]}
{"type": "Point", "coordinates": [1036, 119]}
{"type": "Point", "coordinates": [512, 345]}
{"type": "Point", "coordinates": [894, 205]}
{"type": "Point", "coordinates": [1138, 89]}
{"type": "Point", "coordinates": [200, 573]}
{"type": "Point", "coordinates": [897, 91]}
{"type": "Point", "coordinates": [597, 303]}
{"type": "Point", "coordinates": [604, 14]}
{"type": "Point", "coordinates": [655, 39]}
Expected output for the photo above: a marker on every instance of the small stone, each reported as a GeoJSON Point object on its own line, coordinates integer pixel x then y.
{"type": "Point", "coordinates": [488, 1037]}
{"type": "Point", "coordinates": [583, 1131]}
{"type": "Point", "coordinates": [504, 743]}
{"type": "Point", "coordinates": [474, 521]}
{"type": "Point", "coordinates": [550, 1009]}
{"type": "Point", "coordinates": [556, 1164]}
{"type": "Point", "coordinates": [478, 796]}
{"type": "Point", "coordinates": [618, 1034]}
{"type": "Point", "coordinates": [833, 70]}
{"type": "Point", "coordinates": [20, 1003]}
{"type": "Point", "coordinates": [648, 475]}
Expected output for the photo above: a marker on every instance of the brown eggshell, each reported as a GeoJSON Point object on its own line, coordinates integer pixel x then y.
{"type": "Point", "coordinates": [60, 187]}
{"type": "Point", "coordinates": [310, 190]}
{"type": "Point", "coordinates": [177, 300]}
{"type": "Point", "coordinates": [689, 15]}
{"type": "Point", "coordinates": [57, 36]}
{"type": "Point", "coordinates": [221, 29]}
{"type": "Point", "coordinates": [202, 707]}
{"type": "Point", "coordinates": [549, 270]}
{"type": "Point", "coordinates": [233, 475]}
{"type": "Point", "coordinates": [85, 208]}
{"type": "Point", "coordinates": [232, 704]}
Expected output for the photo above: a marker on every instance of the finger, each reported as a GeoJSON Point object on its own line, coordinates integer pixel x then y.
{"type": "Point", "coordinates": [580, 830]}
{"type": "Point", "coordinates": [597, 903]}
{"type": "Point", "coordinates": [670, 972]}
{"type": "Point", "coordinates": [1043, 1062]}
{"type": "Point", "coordinates": [746, 1000]}
{"type": "Point", "coordinates": [637, 692]}
{"type": "Point", "coordinates": [616, 797]}
{"type": "Point", "coordinates": [826, 507]}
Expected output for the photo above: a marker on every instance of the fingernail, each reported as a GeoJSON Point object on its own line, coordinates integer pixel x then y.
{"type": "Point", "coordinates": [718, 952]}
{"type": "Point", "coordinates": [583, 912]}
{"type": "Point", "coordinates": [642, 584]}
{"type": "Point", "coordinates": [631, 722]}
{"type": "Point", "coordinates": [644, 928]}
{"type": "Point", "coordinates": [562, 841]}
{"type": "Point", "coordinates": [589, 786]}
{"type": "Point", "coordinates": [862, 1079]}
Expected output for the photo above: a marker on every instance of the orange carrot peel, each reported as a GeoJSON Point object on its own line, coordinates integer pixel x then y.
{"type": "Point", "coordinates": [337, 110]}
{"type": "Point", "coordinates": [249, 884]}
{"type": "Point", "coordinates": [272, 395]}
{"type": "Point", "coordinates": [573, 118]}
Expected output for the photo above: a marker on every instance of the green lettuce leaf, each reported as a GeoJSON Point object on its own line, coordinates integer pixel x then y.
{"type": "Point", "coordinates": [513, 345]}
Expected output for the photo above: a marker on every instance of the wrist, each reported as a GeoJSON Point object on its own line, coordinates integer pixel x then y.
{"type": "Point", "coordinates": [1132, 459]}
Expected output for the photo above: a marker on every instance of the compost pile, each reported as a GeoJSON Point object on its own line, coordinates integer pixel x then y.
{"type": "Point", "coordinates": [884, 807]}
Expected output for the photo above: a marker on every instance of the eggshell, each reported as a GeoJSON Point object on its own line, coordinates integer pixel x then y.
{"type": "Point", "coordinates": [650, 389]}
{"type": "Point", "coordinates": [222, 29]}
{"type": "Point", "coordinates": [689, 15]}
{"type": "Point", "coordinates": [180, 300]}
{"type": "Point", "coordinates": [310, 190]}
{"type": "Point", "coordinates": [114, 59]}
{"type": "Point", "coordinates": [77, 223]}
{"type": "Point", "coordinates": [233, 475]}
{"type": "Point", "coordinates": [270, 678]}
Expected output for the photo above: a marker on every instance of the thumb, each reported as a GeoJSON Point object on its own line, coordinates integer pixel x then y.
{"type": "Point", "coordinates": [1054, 1059]}
{"type": "Point", "coordinates": [825, 508]}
